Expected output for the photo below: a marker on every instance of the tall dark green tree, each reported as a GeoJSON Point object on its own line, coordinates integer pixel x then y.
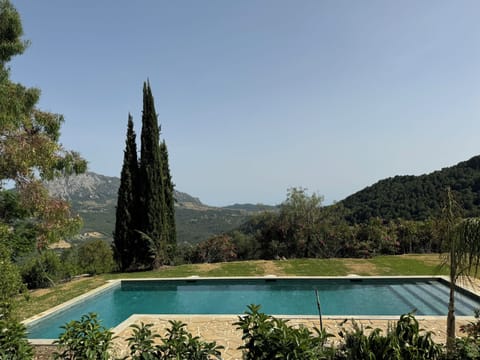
{"type": "Point", "coordinates": [152, 194]}
{"type": "Point", "coordinates": [145, 234]}
{"type": "Point", "coordinates": [168, 188]}
{"type": "Point", "coordinates": [126, 225]}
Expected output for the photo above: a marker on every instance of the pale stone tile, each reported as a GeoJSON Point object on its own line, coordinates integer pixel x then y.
{"type": "Point", "coordinates": [221, 330]}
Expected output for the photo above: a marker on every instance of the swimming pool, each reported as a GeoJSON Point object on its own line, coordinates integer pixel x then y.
{"type": "Point", "coordinates": [278, 296]}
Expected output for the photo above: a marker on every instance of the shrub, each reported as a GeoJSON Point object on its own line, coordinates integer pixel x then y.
{"type": "Point", "coordinates": [468, 347]}
{"type": "Point", "coordinates": [10, 280]}
{"type": "Point", "coordinates": [413, 344]}
{"type": "Point", "coordinates": [402, 342]}
{"type": "Point", "coordinates": [43, 270]}
{"type": "Point", "coordinates": [141, 343]}
{"type": "Point", "coordinates": [178, 343]}
{"type": "Point", "coordinates": [95, 257]}
{"type": "Point", "coordinates": [84, 340]}
{"type": "Point", "coordinates": [216, 249]}
{"type": "Point", "coordinates": [69, 258]}
{"type": "Point", "coordinates": [13, 341]}
{"type": "Point", "coordinates": [266, 337]}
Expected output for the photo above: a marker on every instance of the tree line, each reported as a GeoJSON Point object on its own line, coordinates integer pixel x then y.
{"type": "Point", "coordinates": [303, 228]}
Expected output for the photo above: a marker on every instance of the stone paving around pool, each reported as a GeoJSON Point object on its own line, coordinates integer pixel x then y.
{"type": "Point", "coordinates": [220, 329]}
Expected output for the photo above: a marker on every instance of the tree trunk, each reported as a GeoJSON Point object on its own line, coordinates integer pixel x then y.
{"type": "Point", "coordinates": [451, 313]}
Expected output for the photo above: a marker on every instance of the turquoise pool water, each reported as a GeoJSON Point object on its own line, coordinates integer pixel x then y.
{"type": "Point", "coordinates": [277, 296]}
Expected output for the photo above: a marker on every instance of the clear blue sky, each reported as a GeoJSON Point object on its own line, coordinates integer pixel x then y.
{"type": "Point", "coordinates": [255, 97]}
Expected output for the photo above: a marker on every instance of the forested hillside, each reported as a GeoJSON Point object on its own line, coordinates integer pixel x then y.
{"type": "Point", "coordinates": [418, 197]}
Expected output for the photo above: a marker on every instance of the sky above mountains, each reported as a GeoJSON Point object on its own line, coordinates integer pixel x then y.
{"type": "Point", "coordinates": [255, 97]}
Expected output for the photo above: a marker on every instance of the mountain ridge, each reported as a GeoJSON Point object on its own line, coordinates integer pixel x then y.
{"type": "Point", "coordinates": [94, 196]}
{"type": "Point", "coordinates": [410, 197]}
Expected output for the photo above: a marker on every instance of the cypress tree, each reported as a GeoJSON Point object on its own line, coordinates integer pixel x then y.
{"type": "Point", "coordinates": [168, 188]}
{"type": "Point", "coordinates": [152, 197]}
{"type": "Point", "coordinates": [126, 220]}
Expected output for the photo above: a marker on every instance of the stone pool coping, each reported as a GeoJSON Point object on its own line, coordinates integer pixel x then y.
{"type": "Point", "coordinates": [204, 320]}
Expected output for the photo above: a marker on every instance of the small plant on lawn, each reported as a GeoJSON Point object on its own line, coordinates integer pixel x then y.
{"type": "Point", "coordinates": [266, 337]}
{"type": "Point", "coordinates": [85, 339]}
{"type": "Point", "coordinates": [178, 343]}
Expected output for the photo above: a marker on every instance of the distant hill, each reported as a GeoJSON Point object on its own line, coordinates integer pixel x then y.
{"type": "Point", "coordinates": [418, 197]}
{"type": "Point", "coordinates": [250, 207]}
{"type": "Point", "coordinates": [94, 197]}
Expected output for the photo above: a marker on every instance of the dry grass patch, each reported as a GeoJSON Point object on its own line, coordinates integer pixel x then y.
{"type": "Point", "coordinates": [270, 268]}
{"type": "Point", "coordinates": [361, 267]}
{"type": "Point", "coordinates": [208, 267]}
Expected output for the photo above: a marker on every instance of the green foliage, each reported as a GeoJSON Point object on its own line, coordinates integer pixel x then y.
{"type": "Point", "coordinates": [145, 233]}
{"type": "Point", "coordinates": [48, 268]}
{"type": "Point", "coordinates": [13, 340]}
{"type": "Point", "coordinates": [414, 345]}
{"type": "Point", "coordinates": [217, 249]}
{"type": "Point", "coordinates": [246, 245]}
{"type": "Point", "coordinates": [10, 32]}
{"type": "Point", "coordinates": [266, 337]}
{"type": "Point", "coordinates": [152, 195]}
{"type": "Point", "coordinates": [472, 329]}
{"type": "Point", "coordinates": [70, 263]}
{"type": "Point", "coordinates": [468, 347]}
{"type": "Point", "coordinates": [402, 342]}
{"type": "Point", "coordinates": [30, 152]}
{"type": "Point", "coordinates": [85, 339]}
{"type": "Point", "coordinates": [141, 343]}
{"type": "Point", "coordinates": [418, 197]}
{"type": "Point", "coordinates": [177, 343]}
{"type": "Point", "coordinates": [300, 232]}
{"type": "Point", "coordinates": [127, 221]}
{"type": "Point", "coordinates": [168, 190]}
{"type": "Point", "coordinates": [42, 270]}
{"type": "Point", "coordinates": [95, 257]}
{"type": "Point", "coordinates": [10, 279]}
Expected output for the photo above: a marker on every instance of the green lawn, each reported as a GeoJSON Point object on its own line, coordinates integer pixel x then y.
{"type": "Point", "coordinates": [314, 267]}
{"type": "Point", "coordinates": [410, 265]}
{"type": "Point", "coordinates": [43, 299]}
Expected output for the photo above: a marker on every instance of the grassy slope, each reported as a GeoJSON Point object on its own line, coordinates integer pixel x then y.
{"type": "Point", "coordinates": [41, 300]}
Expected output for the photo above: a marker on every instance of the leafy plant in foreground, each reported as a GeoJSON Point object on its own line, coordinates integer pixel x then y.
{"type": "Point", "coordinates": [13, 341]}
{"type": "Point", "coordinates": [402, 342]}
{"type": "Point", "coordinates": [266, 337]}
{"type": "Point", "coordinates": [178, 343]}
{"type": "Point", "coordinates": [468, 347]}
{"type": "Point", "coordinates": [141, 343]}
{"type": "Point", "coordinates": [84, 340]}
